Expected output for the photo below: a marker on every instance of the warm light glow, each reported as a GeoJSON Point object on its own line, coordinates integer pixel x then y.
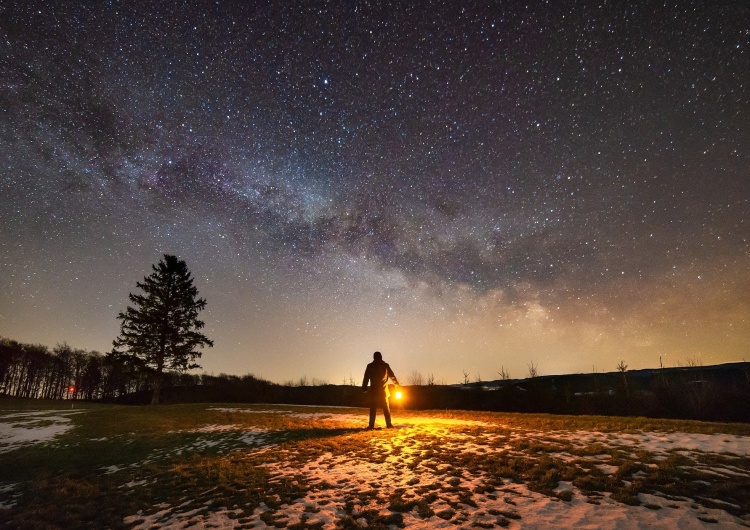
{"type": "Point", "coordinates": [398, 394]}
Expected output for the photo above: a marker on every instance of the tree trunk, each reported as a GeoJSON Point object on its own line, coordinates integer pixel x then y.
{"type": "Point", "coordinates": [156, 396]}
{"type": "Point", "coordinates": [159, 376]}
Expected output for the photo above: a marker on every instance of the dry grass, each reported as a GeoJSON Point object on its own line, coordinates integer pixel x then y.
{"type": "Point", "coordinates": [166, 458]}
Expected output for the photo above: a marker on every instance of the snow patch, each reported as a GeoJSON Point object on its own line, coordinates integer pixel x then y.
{"type": "Point", "coordinates": [23, 429]}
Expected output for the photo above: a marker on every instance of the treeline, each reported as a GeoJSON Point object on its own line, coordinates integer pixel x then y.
{"type": "Point", "coordinates": [250, 389]}
{"type": "Point", "coordinates": [713, 393]}
{"type": "Point", "coordinates": [710, 393]}
{"type": "Point", "coordinates": [37, 372]}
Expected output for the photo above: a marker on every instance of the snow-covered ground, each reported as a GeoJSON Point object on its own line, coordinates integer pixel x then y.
{"type": "Point", "coordinates": [407, 464]}
{"type": "Point", "coordinates": [27, 428]}
{"type": "Point", "coordinates": [334, 481]}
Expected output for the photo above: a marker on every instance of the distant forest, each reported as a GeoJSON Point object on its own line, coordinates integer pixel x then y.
{"type": "Point", "coordinates": [35, 371]}
{"type": "Point", "coordinates": [712, 393]}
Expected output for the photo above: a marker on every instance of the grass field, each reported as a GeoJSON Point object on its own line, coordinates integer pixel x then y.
{"type": "Point", "coordinates": [258, 466]}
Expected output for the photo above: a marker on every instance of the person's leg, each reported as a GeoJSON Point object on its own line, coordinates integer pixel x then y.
{"type": "Point", "coordinates": [374, 405]}
{"type": "Point", "coordinates": [387, 413]}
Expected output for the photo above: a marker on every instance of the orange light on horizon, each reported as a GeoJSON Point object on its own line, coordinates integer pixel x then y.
{"type": "Point", "coordinates": [399, 395]}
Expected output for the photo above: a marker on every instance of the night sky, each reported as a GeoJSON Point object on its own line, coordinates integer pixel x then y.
{"type": "Point", "coordinates": [464, 187]}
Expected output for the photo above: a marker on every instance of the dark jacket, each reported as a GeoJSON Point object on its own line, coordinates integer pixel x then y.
{"type": "Point", "coordinates": [377, 373]}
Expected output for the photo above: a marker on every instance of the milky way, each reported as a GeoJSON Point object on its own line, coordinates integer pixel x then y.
{"type": "Point", "coordinates": [463, 187]}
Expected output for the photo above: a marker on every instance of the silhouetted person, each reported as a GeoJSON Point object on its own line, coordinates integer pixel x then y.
{"type": "Point", "coordinates": [377, 374]}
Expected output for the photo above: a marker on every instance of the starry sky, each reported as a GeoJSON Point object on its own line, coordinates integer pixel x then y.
{"type": "Point", "coordinates": [468, 187]}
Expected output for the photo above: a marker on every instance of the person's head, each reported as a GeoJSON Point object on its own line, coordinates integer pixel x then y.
{"type": "Point", "coordinates": [377, 356]}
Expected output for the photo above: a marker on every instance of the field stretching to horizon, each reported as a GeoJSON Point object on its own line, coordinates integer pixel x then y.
{"type": "Point", "coordinates": [283, 466]}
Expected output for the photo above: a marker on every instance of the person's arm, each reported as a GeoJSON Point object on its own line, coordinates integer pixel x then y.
{"type": "Point", "coordinates": [366, 379]}
{"type": "Point", "coordinates": [392, 376]}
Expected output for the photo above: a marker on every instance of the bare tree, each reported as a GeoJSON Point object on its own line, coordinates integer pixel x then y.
{"type": "Point", "coordinates": [504, 375]}
{"type": "Point", "coordinates": [622, 368]}
{"type": "Point", "coordinates": [431, 380]}
{"type": "Point", "coordinates": [533, 370]}
{"type": "Point", "coordinates": [415, 378]}
{"type": "Point", "coordinates": [466, 377]}
{"type": "Point", "coordinates": [693, 362]}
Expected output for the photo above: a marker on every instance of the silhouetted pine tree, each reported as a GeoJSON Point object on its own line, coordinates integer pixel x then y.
{"type": "Point", "coordinates": [161, 330]}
